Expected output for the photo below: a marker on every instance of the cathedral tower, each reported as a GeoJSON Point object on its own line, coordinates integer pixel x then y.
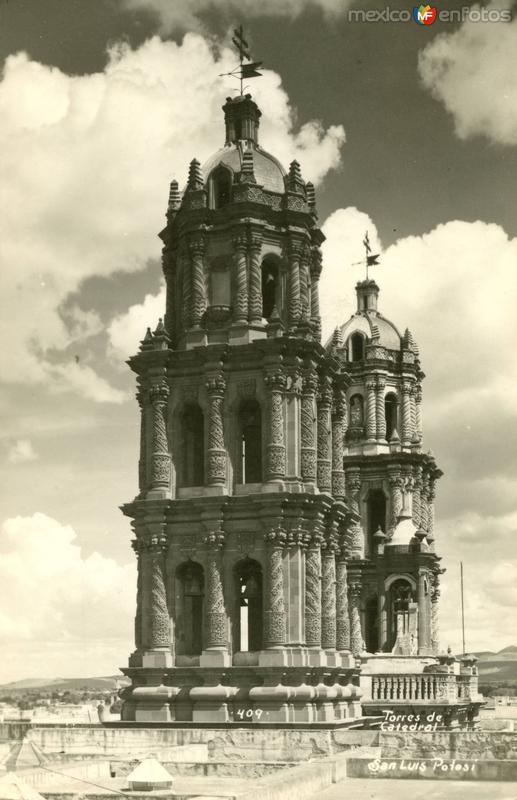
{"type": "Point", "coordinates": [242, 529]}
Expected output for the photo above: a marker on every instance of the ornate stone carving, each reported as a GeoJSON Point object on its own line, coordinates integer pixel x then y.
{"type": "Point", "coordinates": [137, 547]}
{"type": "Point", "coordinates": [406, 414]}
{"type": "Point", "coordinates": [356, 636]}
{"type": "Point", "coordinates": [247, 388]}
{"type": "Point", "coordinates": [417, 498]}
{"type": "Point", "coordinates": [371, 422]}
{"type": "Point", "coordinates": [255, 294]}
{"type": "Point", "coordinates": [275, 464]}
{"type": "Point", "coordinates": [328, 592]}
{"type": "Point", "coordinates": [197, 251]}
{"type": "Point", "coordinates": [161, 462]}
{"type": "Point", "coordinates": [275, 619]}
{"type": "Point", "coordinates": [418, 412]}
{"type": "Point", "coordinates": [142, 460]}
{"type": "Point", "coordinates": [186, 287]}
{"type": "Point", "coordinates": [435, 633]}
{"type": "Point", "coordinates": [396, 485]}
{"type": "Point", "coordinates": [215, 386]}
{"type": "Point", "coordinates": [216, 628]}
{"type": "Point", "coordinates": [240, 303]}
{"type": "Point", "coordinates": [308, 419]}
{"type": "Point", "coordinates": [313, 597]}
{"type": "Point", "coordinates": [305, 283]}
{"type": "Point", "coordinates": [157, 624]}
{"type": "Point", "coordinates": [323, 439]}
{"type": "Point", "coordinates": [342, 613]}
{"type": "Point", "coordinates": [338, 438]}
{"type": "Point", "coordinates": [380, 409]}
{"type": "Point", "coordinates": [294, 256]}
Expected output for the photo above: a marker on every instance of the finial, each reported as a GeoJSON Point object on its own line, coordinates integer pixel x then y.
{"type": "Point", "coordinates": [247, 173]}
{"type": "Point", "coordinates": [195, 176]}
{"type": "Point", "coordinates": [147, 341]}
{"type": "Point", "coordinates": [311, 196]}
{"type": "Point", "coordinates": [294, 180]}
{"type": "Point", "coordinates": [243, 70]}
{"type": "Point", "coordinates": [174, 196]}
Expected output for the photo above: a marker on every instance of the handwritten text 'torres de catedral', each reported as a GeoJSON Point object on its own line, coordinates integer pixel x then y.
{"type": "Point", "coordinates": [411, 722]}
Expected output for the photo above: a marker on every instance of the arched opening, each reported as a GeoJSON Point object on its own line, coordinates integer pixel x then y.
{"type": "Point", "coordinates": [189, 621]}
{"type": "Point", "coordinates": [376, 514]}
{"type": "Point", "coordinates": [193, 450]}
{"type": "Point", "coordinates": [221, 187]}
{"type": "Point", "coordinates": [270, 282]}
{"type": "Point", "coordinates": [391, 407]}
{"type": "Point", "coordinates": [372, 624]}
{"type": "Point", "coordinates": [356, 411]}
{"type": "Point", "coordinates": [356, 347]}
{"type": "Point", "coordinates": [401, 596]}
{"type": "Point", "coordinates": [248, 619]}
{"type": "Point", "coordinates": [250, 454]}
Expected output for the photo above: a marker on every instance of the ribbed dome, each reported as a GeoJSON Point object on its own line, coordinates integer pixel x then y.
{"type": "Point", "coordinates": [373, 326]}
{"type": "Point", "coordinates": [268, 171]}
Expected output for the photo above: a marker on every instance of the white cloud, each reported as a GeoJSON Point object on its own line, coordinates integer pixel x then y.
{"type": "Point", "coordinates": [85, 163]}
{"type": "Point", "coordinates": [126, 331]}
{"type": "Point", "coordinates": [472, 72]}
{"type": "Point", "coordinates": [51, 591]}
{"type": "Point", "coordinates": [185, 14]}
{"type": "Point", "coordinates": [21, 451]}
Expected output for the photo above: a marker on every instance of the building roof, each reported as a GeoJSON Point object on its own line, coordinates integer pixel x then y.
{"type": "Point", "coordinates": [149, 771]}
{"type": "Point", "coordinates": [374, 326]}
{"type": "Point", "coordinates": [12, 787]}
{"type": "Point", "coordinates": [268, 171]}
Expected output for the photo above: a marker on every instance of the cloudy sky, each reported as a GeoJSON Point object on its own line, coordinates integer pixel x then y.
{"type": "Point", "coordinates": [406, 130]}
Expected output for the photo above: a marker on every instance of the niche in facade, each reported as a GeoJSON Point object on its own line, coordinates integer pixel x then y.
{"type": "Point", "coordinates": [189, 616]}
{"type": "Point", "coordinates": [193, 450]}
{"type": "Point", "coordinates": [391, 409]}
{"type": "Point", "coordinates": [376, 514]}
{"type": "Point", "coordinates": [250, 442]}
{"type": "Point", "coordinates": [270, 286]}
{"type": "Point", "coordinates": [248, 621]}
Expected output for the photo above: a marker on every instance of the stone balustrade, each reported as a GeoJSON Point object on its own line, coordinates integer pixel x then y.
{"type": "Point", "coordinates": [426, 687]}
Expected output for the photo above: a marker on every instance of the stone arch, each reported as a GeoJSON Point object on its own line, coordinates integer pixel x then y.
{"type": "Point", "coordinates": [220, 186]}
{"type": "Point", "coordinates": [190, 586]}
{"type": "Point", "coordinates": [356, 346]}
{"type": "Point", "coordinates": [271, 284]}
{"type": "Point", "coordinates": [247, 622]}
{"type": "Point", "coordinates": [376, 513]}
{"type": "Point", "coordinates": [401, 595]}
{"type": "Point", "coordinates": [391, 411]}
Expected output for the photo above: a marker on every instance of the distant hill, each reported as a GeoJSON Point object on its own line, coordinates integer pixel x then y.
{"type": "Point", "coordinates": [498, 667]}
{"type": "Point", "coordinates": [64, 684]}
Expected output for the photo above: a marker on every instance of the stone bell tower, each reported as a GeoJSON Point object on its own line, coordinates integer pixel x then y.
{"type": "Point", "coordinates": [241, 524]}
{"type": "Point", "coordinates": [390, 482]}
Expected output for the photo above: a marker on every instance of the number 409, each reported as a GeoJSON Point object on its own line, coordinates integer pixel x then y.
{"type": "Point", "coordinates": [248, 713]}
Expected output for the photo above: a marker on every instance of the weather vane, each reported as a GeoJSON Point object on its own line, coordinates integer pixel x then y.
{"type": "Point", "coordinates": [243, 71]}
{"type": "Point", "coordinates": [370, 260]}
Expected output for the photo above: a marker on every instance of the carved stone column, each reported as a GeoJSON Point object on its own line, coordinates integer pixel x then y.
{"type": "Point", "coordinates": [406, 414]}
{"type": "Point", "coordinates": [435, 632]}
{"type": "Point", "coordinates": [380, 409]}
{"type": "Point", "coordinates": [156, 626]}
{"type": "Point", "coordinates": [355, 532]}
{"type": "Point", "coordinates": [216, 626]}
{"type": "Point", "coordinates": [136, 544]}
{"type": "Point", "coordinates": [142, 460]}
{"type": "Point", "coordinates": [371, 421]}
{"type": "Point", "coordinates": [424, 503]}
{"type": "Point", "coordinates": [161, 460]}
{"type": "Point", "coordinates": [255, 294]}
{"type": "Point", "coordinates": [308, 434]}
{"type": "Point", "coordinates": [275, 448]}
{"type": "Point", "coordinates": [338, 439]}
{"type": "Point", "coordinates": [294, 257]}
{"type": "Point", "coordinates": [240, 299]}
{"type": "Point", "coordinates": [313, 594]}
{"type": "Point", "coordinates": [430, 510]}
{"type": "Point", "coordinates": [315, 270]}
{"type": "Point", "coordinates": [215, 386]}
{"type": "Point", "coordinates": [417, 498]}
{"type": "Point", "coordinates": [396, 485]}
{"type": "Point", "coordinates": [328, 594]}
{"type": "Point", "coordinates": [305, 285]}
{"type": "Point", "coordinates": [418, 412]}
{"type": "Point", "coordinates": [186, 291]}
{"type": "Point", "coordinates": [422, 614]}
{"type": "Point", "coordinates": [197, 250]}
{"type": "Point", "coordinates": [324, 436]}
{"type": "Point", "coordinates": [275, 616]}
{"type": "Point", "coordinates": [356, 636]}
{"type": "Point", "coordinates": [342, 612]}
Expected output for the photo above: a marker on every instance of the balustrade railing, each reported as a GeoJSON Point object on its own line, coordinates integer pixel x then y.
{"type": "Point", "coordinates": [426, 687]}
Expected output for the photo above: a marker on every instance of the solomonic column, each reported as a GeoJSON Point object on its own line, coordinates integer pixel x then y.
{"type": "Point", "coordinates": [255, 293]}
{"type": "Point", "coordinates": [315, 270]}
{"type": "Point", "coordinates": [142, 460]}
{"type": "Point", "coordinates": [418, 412]}
{"type": "Point", "coordinates": [396, 500]}
{"type": "Point", "coordinates": [338, 439]}
{"type": "Point", "coordinates": [305, 286]}
{"type": "Point", "coordinates": [215, 386]}
{"type": "Point", "coordinates": [417, 498]}
{"type": "Point", "coordinates": [356, 636]}
{"type": "Point", "coordinates": [342, 612]}
{"type": "Point", "coordinates": [371, 407]}
{"type": "Point", "coordinates": [355, 531]}
{"type": "Point", "coordinates": [324, 436]}
{"type": "Point", "coordinates": [161, 460]}
{"type": "Point", "coordinates": [313, 593]}
{"type": "Point", "coordinates": [275, 449]}
{"type": "Point", "coordinates": [435, 633]}
{"type": "Point", "coordinates": [215, 652]}
{"type": "Point", "coordinates": [308, 433]}
{"type": "Point", "coordinates": [293, 293]}
{"type": "Point", "coordinates": [380, 409]}
{"type": "Point", "coordinates": [275, 616]}
{"type": "Point", "coordinates": [137, 546]}
{"type": "Point", "coordinates": [406, 414]}
{"type": "Point", "coordinates": [197, 251]}
{"type": "Point", "coordinates": [186, 289]}
{"type": "Point", "coordinates": [430, 510]}
{"type": "Point", "coordinates": [155, 637]}
{"type": "Point", "coordinates": [240, 303]}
